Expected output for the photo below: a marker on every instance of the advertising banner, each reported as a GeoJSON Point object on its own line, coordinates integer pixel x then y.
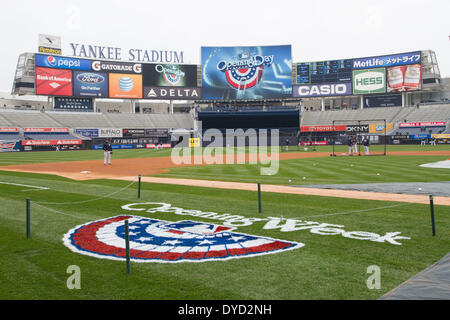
{"type": "Point", "coordinates": [383, 100]}
{"type": "Point", "coordinates": [183, 93]}
{"type": "Point", "coordinates": [88, 133]}
{"type": "Point", "coordinates": [58, 62]}
{"type": "Point", "coordinates": [246, 72]}
{"type": "Point", "coordinates": [404, 78]}
{"type": "Point", "coordinates": [369, 81]}
{"type": "Point", "coordinates": [110, 132]}
{"type": "Point", "coordinates": [322, 90]}
{"type": "Point", "coordinates": [169, 75]}
{"type": "Point", "coordinates": [90, 84]}
{"type": "Point", "coordinates": [314, 143]}
{"type": "Point", "coordinates": [10, 146]}
{"type": "Point", "coordinates": [440, 135]}
{"type": "Point", "coordinates": [117, 67]}
{"type": "Point", "coordinates": [322, 128]}
{"type": "Point", "coordinates": [9, 130]}
{"type": "Point", "coordinates": [359, 128]}
{"type": "Point", "coordinates": [46, 130]}
{"type": "Point", "coordinates": [422, 124]}
{"type": "Point", "coordinates": [125, 86]}
{"type": "Point", "coordinates": [53, 82]}
{"type": "Point", "coordinates": [74, 104]}
{"type": "Point", "coordinates": [388, 60]}
{"type": "Point", "coordinates": [50, 142]}
{"type": "Point", "coordinates": [49, 44]}
{"type": "Point", "coordinates": [380, 128]}
{"type": "Point", "coordinates": [162, 146]}
{"type": "Point", "coordinates": [133, 133]}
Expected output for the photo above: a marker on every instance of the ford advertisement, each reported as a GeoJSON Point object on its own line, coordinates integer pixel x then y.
{"type": "Point", "coordinates": [90, 84]}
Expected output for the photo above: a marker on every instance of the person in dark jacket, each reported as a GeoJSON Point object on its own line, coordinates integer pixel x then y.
{"type": "Point", "coordinates": [350, 145]}
{"type": "Point", "coordinates": [107, 151]}
{"type": "Point", "coordinates": [366, 144]}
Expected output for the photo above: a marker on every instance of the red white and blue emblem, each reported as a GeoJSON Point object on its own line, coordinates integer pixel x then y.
{"type": "Point", "coordinates": [245, 71]}
{"type": "Point", "coordinates": [153, 240]}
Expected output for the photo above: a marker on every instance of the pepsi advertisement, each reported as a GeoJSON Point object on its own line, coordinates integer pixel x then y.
{"type": "Point", "coordinates": [59, 62]}
{"type": "Point", "coordinates": [250, 73]}
{"type": "Point", "coordinates": [90, 84]}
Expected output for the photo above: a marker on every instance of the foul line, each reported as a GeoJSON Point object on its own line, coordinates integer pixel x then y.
{"type": "Point", "coordinates": [25, 185]}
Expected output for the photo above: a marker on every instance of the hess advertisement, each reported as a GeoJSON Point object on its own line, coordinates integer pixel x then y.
{"type": "Point", "coordinates": [237, 73]}
{"type": "Point", "coordinates": [125, 86]}
{"type": "Point", "coordinates": [53, 82]}
{"type": "Point", "coordinates": [369, 81]}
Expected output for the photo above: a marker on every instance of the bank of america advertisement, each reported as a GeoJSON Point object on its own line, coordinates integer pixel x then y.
{"type": "Point", "coordinates": [237, 73]}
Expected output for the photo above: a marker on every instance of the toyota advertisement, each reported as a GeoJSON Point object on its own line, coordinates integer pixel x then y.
{"type": "Point", "coordinates": [237, 73]}
{"type": "Point", "coordinates": [53, 82]}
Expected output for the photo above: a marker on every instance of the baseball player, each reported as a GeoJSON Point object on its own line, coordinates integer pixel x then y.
{"type": "Point", "coordinates": [366, 145]}
{"type": "Point", "coordinates": [107, 151]}
{"type": "Point", "coordinates": [350, 145]}
{"type": "Point", "coordinates": [355, 144]}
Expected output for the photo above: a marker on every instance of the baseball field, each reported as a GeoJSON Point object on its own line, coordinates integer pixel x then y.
{"type": "Point", "coordinates": [293, 244]}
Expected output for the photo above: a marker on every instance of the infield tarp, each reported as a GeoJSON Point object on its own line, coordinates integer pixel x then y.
{"type": "Point", "coordinates": [432, 283]}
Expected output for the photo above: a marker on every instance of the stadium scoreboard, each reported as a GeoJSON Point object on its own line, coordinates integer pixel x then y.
{"type": "Point", "coordinates": [333, 71]}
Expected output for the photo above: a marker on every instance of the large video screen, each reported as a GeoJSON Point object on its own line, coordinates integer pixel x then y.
{"type": "Point", "coordinates": [236, 73]}
{"type": "Point", "coordinates": [404, 78]}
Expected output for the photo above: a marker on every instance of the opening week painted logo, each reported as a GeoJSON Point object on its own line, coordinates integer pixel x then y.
{"type": "Point", "coordinates": [154, 240]}
{"type": "Point", "coordinates": [245, 72]}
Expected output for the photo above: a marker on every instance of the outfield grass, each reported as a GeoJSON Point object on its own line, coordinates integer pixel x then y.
{"type": "Point", "coordinates": [327, 267]}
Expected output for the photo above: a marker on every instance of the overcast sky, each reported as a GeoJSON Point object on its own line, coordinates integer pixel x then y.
{"type": "Point", "coordinates": [317, 30]}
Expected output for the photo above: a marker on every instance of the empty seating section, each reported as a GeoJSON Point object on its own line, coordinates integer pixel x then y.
{"type": "Point", "coordinates": [393, 115]}
{"type": "Point", "coordinates": [51, 119]}
{"type": "Point", "coordinates": [26, 119]}
{"type": "Point", "coordinates": [10, 136]}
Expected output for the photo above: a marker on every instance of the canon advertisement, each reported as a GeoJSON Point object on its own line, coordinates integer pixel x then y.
{"type": "Point", "coordinates": [322, 90]}
{"type": "Point", "coordinates": [236, 73]}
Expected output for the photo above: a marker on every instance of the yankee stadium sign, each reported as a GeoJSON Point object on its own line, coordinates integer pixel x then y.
{"type": "Point", "coordinates": [155, 240]}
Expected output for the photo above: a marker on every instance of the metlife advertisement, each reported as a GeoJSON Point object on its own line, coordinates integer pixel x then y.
{"type": "Point", "coordinates": [237, 73]}
{"type": "Point", "coordinates": [388, 60]}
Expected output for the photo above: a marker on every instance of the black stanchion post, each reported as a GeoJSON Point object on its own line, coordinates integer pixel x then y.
{"type": "Point", "coordinates": [433, 226]}
{"type": "Point", "coordinates": [28, 218]}
{"type": "Point", "coordinates": [259, 197]}
{"type": "Point", "coordinates": [139, 187]}
{"type": "Point", "coordinates": [127, 246]}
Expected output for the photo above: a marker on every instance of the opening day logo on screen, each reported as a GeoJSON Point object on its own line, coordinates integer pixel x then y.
{"type": "Point", "coordinates": [369, 81]}
{"type": "Point", "coordinates": [246, 72]}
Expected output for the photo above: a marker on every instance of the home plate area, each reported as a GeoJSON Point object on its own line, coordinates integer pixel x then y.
{"type": "Point", "coordinates": [153, 240]}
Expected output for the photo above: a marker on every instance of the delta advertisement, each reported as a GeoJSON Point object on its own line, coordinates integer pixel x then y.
{"type": "Point", "coordinates": [53, 82]}
{"type": "Point", "coordinates": [170, 81]}
{"type": "Point", "coordinates": [236, 73]}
